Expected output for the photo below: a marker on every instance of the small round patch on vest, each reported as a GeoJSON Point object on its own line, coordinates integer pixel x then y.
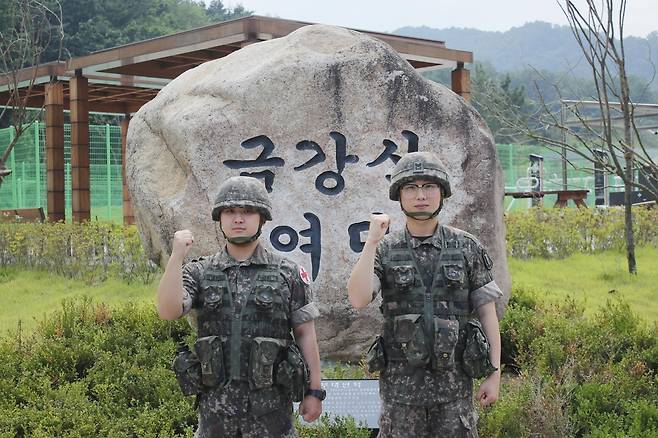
{"type": "Point", "coordinates": [304, 275]}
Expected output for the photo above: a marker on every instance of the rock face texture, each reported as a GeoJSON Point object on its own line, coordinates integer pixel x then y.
{"type": "Point", "coordinates": [320, 116]}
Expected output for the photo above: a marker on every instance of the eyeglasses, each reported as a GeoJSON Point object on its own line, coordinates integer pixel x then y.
{"type": "Point", "coordinates": [428, 189]}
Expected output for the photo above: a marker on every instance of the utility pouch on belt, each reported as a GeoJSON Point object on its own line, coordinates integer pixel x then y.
{"type": "Point", "coordinates": [209, 351]}
{"type": "Point", "coordinates": [476, 361]}
{"type": "Point", "coordinates": [446, 334]}
{"type": "Point", "coordinates": [293, 373]}
{"type": "Point", "coordinates": [264, 353]}
{"type": "Point", "coordinates": [376, 357]}
{"type": "Point", "coordinates": [187, 368]}
{"type": "Point", "coordinates": [408, 332]}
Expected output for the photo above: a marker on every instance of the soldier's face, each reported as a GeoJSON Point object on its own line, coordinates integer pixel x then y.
{"type": "Point", "coordinates": [239, 221]}
{"type": "Point", "coordinates": [420, 195]}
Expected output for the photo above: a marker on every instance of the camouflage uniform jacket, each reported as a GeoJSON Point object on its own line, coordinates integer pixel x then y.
{"type": "Point", "coordinates": [421, 386]}
{"type": "Point", "coordinates": [236, 398]}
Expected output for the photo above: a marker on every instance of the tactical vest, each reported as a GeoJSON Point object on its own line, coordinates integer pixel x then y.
{"type": "Point", "coordinates": [424, 325]}
{"type": "Point", "coordinates": [263, 315]}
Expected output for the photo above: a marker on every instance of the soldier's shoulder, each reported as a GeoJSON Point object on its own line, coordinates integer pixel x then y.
{"type": "Point", "coordinates": [206, 260]}
{"type": "Point", "coordinates": [272, 257]}
{"type": "Point", "coordinates": [467, 238]}
{"type": "Point", "coordinates": [294, 271]}
{"type": "Point", "coordinates": [276, 258]}
{"type": "Point", "coordinates": [392, 238]}
{"type": "Point", "coordinates": [198, 261]}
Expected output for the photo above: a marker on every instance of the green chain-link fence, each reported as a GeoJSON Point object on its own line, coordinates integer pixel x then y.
{"type": "Point", "coordinates": [515, 162]}
{"type": "Point", "coordinates": [26, 186]}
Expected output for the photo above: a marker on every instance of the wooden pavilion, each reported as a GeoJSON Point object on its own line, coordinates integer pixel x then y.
{"type": "Point", "coordinates": [122, 79]}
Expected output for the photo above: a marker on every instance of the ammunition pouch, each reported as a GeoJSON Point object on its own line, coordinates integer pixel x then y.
{"type": "Point", "coordinates": [210, 353]}
{"type": "Point", "coordinates": [409, 335]}
{"type": "Point", "coordinates": [403, 277]}
{"type": "Point", "coordinates": [446, 335]}
{"type": "Point", "coordinates": [475, 361]}
{"type": "Point", "coordinates": [454, 275]}
{"type": "Point", "coordinates": [292, 373]}
{"type": "Point", "coordinates": [265, 352]}
{"type": "Point", "coordinates": [187, 368]}
{"type": "Point", "coordinates": [376, 356]}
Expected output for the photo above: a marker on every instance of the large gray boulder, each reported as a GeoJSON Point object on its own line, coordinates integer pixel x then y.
{"type": "Point", "coordinates": [321, 116]}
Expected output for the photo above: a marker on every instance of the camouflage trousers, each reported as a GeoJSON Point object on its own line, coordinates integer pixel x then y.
{"type": "Point", "coordinates": [455, 419]}
{"type": "Point", "coordinates": [276, 424]}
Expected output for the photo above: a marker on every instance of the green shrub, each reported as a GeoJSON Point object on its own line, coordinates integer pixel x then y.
{"type": "Point", "coordinates": [589, 377]}
{"type": "Point", "coordinates": [90, 251]}
{"type": "Point", "coordinates": [560, 232]}
{"type": "Point", "coordinates": [336, 427]}
{"type": "Point", "coordinates": [89, 371]}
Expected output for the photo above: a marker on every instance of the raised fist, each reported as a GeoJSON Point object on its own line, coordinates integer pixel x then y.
{"type": "Point", "coordinates": [183, 241]}
{"type": "Point", "coordinates": [378, 225]}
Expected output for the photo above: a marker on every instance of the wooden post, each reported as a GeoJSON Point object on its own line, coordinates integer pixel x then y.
{"type": "Point", "coordinates": [128, 217]}
{"type": "Point", "coordinates": [80, 196]}
{"type": "Point", "coordinates": [461, 81]}
{"type": "Point", "coordinates": [54, 105]}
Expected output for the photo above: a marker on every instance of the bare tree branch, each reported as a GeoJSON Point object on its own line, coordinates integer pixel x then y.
{"type": "Point", "coordinates": [33, 27]}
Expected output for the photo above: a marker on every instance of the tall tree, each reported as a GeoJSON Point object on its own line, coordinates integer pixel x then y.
{"type": "Point", "coordinates": [492, 90]}
{"type": "Point", "coordinates": [92, 25]}
{"type": "Point", "coordinates": [609, 119]}
{"type": "Point", "coordinates": [28, 28]}
{"type": "Point", "coordinates": [216, 11]}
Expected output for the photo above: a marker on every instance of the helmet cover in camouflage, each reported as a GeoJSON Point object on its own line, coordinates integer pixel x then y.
{"type": "Point", "coordinates": [418, 165]}
{"type": "Point", "coordinates": [242, 191]}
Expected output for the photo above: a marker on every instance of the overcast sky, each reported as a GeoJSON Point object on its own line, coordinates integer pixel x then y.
{"type": "Point", "coordinates": [389, 15]}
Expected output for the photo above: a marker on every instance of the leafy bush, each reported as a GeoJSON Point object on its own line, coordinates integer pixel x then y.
{"type": "Point", "coordinates": [91, 251]}
{"type": "Point", "coordinates": [88, 370]}
{"type": "Point", "coordinates": [337, 427]}
{"type": "Point", "coordinates": [577, 376]}
{"type": "Point", "coordinates": [560, 232]}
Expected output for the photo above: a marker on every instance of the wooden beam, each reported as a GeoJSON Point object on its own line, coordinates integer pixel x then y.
{"type": "Point", "coordinates": [80, 197]}
{"type": "Point", "coordinates": [128, 216]}
{"type": "Point", "coordinates": [227, 32]}
{"type": "Point", "coordinates": [461, 82]}
{"type": "Point", "coordinates": [55, 150]}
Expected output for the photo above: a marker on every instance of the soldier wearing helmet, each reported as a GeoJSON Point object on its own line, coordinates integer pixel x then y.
{"type": "Point", "coordinates": [438, 301]}
{"type": "Point", "coordinates": [256, 350]}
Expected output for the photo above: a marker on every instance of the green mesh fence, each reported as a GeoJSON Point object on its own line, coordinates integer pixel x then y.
{"type": "Point", "coordinates": [515, 162]}
{"type": "Point", "coordinates": [26, 186]}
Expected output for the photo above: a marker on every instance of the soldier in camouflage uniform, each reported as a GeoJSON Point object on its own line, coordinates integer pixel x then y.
{"type": "Point", "coordinates": [246, 303]}
{"type": "Point", "coordinates": [433, 279]}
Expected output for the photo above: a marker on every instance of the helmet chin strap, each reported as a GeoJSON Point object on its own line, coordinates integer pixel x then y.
{"type": "Point", "coordinates": [241, 240]}
{"type": "Point", "coordinates": [420, 215]}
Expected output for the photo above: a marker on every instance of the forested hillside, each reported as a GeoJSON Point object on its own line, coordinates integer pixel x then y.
{"type": "Point", "coordinates": [541, 45]}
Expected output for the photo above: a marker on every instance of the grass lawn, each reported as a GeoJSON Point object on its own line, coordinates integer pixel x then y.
{"type": "Point", "coordinates": [593, 279]}
{"type": "Point", "coordinates": [29, 295]}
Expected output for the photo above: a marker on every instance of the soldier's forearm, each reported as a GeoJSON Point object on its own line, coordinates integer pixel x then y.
{"type": "Point", "coordinates": [359, 285]}
{"type": "Point", "coordinates": [170, 290]}
{"type": "Point", "coordinates": [491, 328]}
{"type": "Point", "coordinates": [307, 341]}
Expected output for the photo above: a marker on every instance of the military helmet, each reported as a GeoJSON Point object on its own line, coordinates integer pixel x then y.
{"type": "Point", "coordinates": [418, 165]}
{"type": "Point", "coordinates": [242, 191]}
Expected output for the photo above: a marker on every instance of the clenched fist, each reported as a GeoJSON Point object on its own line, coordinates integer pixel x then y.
{"type": "Point", "coordinates": [378, 225]}
{"type": "Point", "coordinates": [183, 241]}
